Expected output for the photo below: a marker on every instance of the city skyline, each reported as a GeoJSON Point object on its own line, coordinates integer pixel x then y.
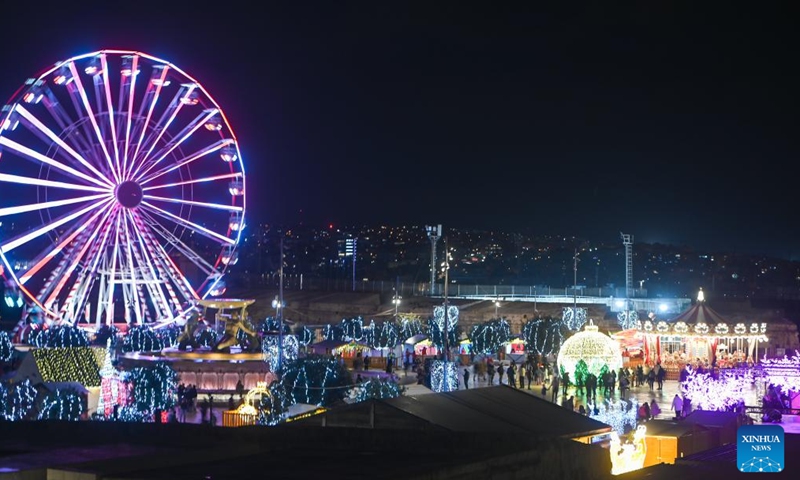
{"type": "Point", "coordinates": [668, 123]}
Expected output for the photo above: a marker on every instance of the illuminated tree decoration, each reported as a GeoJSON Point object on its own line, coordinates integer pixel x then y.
{"type": "Point", "coordinates": [305, 336]}
{"type": "Point", "coordinates": [269, 349]}
{"type": "Point", "coordinates": [169, 335]}
{"type": "Point", "coordinates": [76, 364]}
{"type": "Point", "coordinates": [142, 339]}
{"type": "Point", "coordinates": [272, 407]}
{"type": "Point", "coordinates": [436, 326]}
{"type": "Point", "coordinates": [627, 319]}
{"type": "Point", "coordinates": [574, 317]}
{"type": "Point", "coordinates": [488, 337]}
{"type": "Point", "coordinates": [114, 391]}
{"type": "Point", "coordinates": [593, 347]}
{"type": "Point", "coordinates": [581, 374]}
{"type": "Point", "coordinates": [334, 332]}
{"type": "Point", "coordinates": [621, 416]}
{"type": "Point", "coordinates": [316, 380]}
{"type": "Point", "coordinates": [370, 332]}
{"type": "Point", "coordinates": [6, 347]}
{"type": "Point", "coordinates": [410, 326]}
{"type": "Point", "coordinates": [61, 404]}
{"type": "Point", "coordinates": [543, 335]}
{"type": "Point", "coordinates": [153, 387]}
{"type": "Point", "coordinates": [59, 336]}
{"type": "Point", "coordinates": [271, 326]}
{"type": "Point", "coordinates": [20, 401]}
{"type": "Point", "coordinates": [376, 389]}
{"type": "Point", "coordinates": [388, 336]}
{"type": "Point", "coordinates": [444, 376]}
{"type": "Point", "coordinates": [716, 394]}
{"type": "Point", "coordinates": [353, 329]}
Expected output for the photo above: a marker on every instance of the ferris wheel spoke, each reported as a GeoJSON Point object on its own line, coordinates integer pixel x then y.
{"type": "Point", "coordinates": [187, 223]}
{"type": "Point", "coordinates": [64, 120]}
{"type": "Point", "coordinates": [40, 127]}
{"type": "Point", "coordinates": [34, 155]}
{"type": "Point", "coordinates": [157, 81]}
{"type": "Point", "coordinates": [176, 242]}
{"type": "Point", "coordinates": [218, 206]}
{"type": "Point", "coordinates": [80, 252]}
{"type": "Point", "coordinates": [90, 114]}
{"type": "Point", "coordinates": [52, 204]}
{"type": "Point", "coordinates": [184, 134]}
{"type": "Point", "coordinates": [78, 228]}
{"type": "Point", "coordinates": [23, 239]}
{"type": "Point", "coordinates": [4, 177]}
{"type": "Point", "coordinates": [187, 160]}
{"type": "Point", "coordinates": [129, 117]}
{"type": "Point", "coordinates": [196, 180]}
{"type": "Point", "coordinates": [110, 105]}
{"type": "Point", "coordinates": [129, 244]}
{"type": "Point", "coordinates": [178, 101]}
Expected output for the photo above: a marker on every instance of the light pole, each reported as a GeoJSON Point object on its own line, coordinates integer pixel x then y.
{"type": "Point", "coordinates": [446, 270]}
{"type": "Point", "coordinates": [396, 301]}
{"type": "Point", "coordinates": [278, 305]}
{"type": "Point", "coordinates": [496, 306]}
{"type": "Point", "coordinates": [434, 233]}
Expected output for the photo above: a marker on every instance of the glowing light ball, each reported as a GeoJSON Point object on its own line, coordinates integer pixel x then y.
{"type": "Point", "coordinates": [594, 348]}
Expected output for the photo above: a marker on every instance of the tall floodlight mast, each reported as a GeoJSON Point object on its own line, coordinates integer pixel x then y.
{"type": "Point", "coordinates": [434, 234]}
{"type": "Point", "coordinates": [627, 241]}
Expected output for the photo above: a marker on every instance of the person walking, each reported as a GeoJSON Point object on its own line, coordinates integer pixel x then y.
{"type": "Point", "coordinates": [466, 378]}
{"type": "Point", "coordinates": [522, 375]}
{"type": "Point", "coordinates": [511, 374]}
{"type": "Point", "coordinates": [529, 375]}
{"type": "Point", "coordinates": [554, 387]}
{"type": "Point", "coordinates": [500, 371]}
{"type": "Point", "coordinates": [677, 406]}
{"type": "Point", "coordinates": [655, 410]}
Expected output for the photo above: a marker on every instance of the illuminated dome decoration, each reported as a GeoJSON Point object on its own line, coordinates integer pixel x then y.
{"type": "Point", "coordinates": [593, 347]}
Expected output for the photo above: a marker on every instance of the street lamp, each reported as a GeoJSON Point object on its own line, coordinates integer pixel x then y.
{"type": "Point", "coordinates": [277, 305]}
{"type": "Point", "coordinates": [496, 306]}
{"type": "Point", "coordinates": [396, 301]}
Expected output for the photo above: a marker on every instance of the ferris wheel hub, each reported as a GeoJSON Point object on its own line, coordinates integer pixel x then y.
{"type": "Point", "coordinates": [129, 194]}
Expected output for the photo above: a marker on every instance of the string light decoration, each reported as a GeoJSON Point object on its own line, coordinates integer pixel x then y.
{"type": "Point", "coordinates": [388, 335]}
{"type": "Point", "coordinates": [271, 326]}
{"type": "Point", "coordinates": [169, 335]}
{"type": "Point", "coordinates": [574, 317]}
{"type": "Point", "coordinates": [436, 326]}
{"type": "Point", "coordinates": [781, 372]}
{"type": "Point", "coordinates": [353, 329]}
{"type": "Point", "coordinates": [376, 389]}
{"type": "Point", "coordinates": [114, 391]}
{"type": "Point", "coordinates": [626, 319]}
{"type": "Point", "coordinates": [621, 415]}
{"type": "Point", "coordinates": [305, 336]}
{"type": "Point", "coordinates": [488, 337]}
{"type": "Point", "coordinates": [272, 407]}
{"type": "Point", "coordinates": [67, 365]}
{"type": "Point", "coordinates": [6, 347]}
{"type": "Point", "coordinates": [370, 332]}
{"type": "Point", "coordinates": [316, 380]}
{"type": "Point", "coordinates": [154, 387]}
{"type": "Point", "coordinates": [334, 332]}
{"type": "Point", "coordinates": [19, 402]}
{"type": "Point", "coordinates": [142, 339]}
{"type": "Point", "coordinates": [59, 336]}
{"type": "Point", "coordinates": [724, 393]}
{"type": "Point", "coordinates": [444, 376]}
{"type": "Point", "coordinates": [593, 347]}
{"type": "Point", "coordinates": [410, 326]}
{"type": "Point", "coordinates": [66, 404]}
{"type": "Point", "coordinates": [269, 348]}
{"type": "Point", "coordinates": [543, 336]}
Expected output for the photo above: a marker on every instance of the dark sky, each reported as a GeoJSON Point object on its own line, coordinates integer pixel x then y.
{"type": "Point", "coordinates": [675, 124]}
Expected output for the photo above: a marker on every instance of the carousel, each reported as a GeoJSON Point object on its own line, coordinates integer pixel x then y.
{"type": "Point", "coordinates": [700, 336]}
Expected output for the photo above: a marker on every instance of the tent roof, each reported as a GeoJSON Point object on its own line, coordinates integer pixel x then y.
{"type": "Point", "coordinates": [498, 409]}
{"type": "Point", "coordinates": [416, 339]}
{"type": "Point", "coordinates": [328, 344]}
{"type": "Point", "coordinates": [699, 313]}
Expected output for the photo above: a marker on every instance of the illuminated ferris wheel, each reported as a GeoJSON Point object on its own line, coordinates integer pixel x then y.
{"type": "Point", "coordinates": [121, 190]}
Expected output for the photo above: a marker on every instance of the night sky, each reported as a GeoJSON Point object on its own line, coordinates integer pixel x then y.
{"type": "Point", "coordinates": [676, 125]}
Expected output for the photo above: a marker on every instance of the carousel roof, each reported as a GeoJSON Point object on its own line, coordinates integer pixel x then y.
{"type": "Point", "coordinates": [699, 313]}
